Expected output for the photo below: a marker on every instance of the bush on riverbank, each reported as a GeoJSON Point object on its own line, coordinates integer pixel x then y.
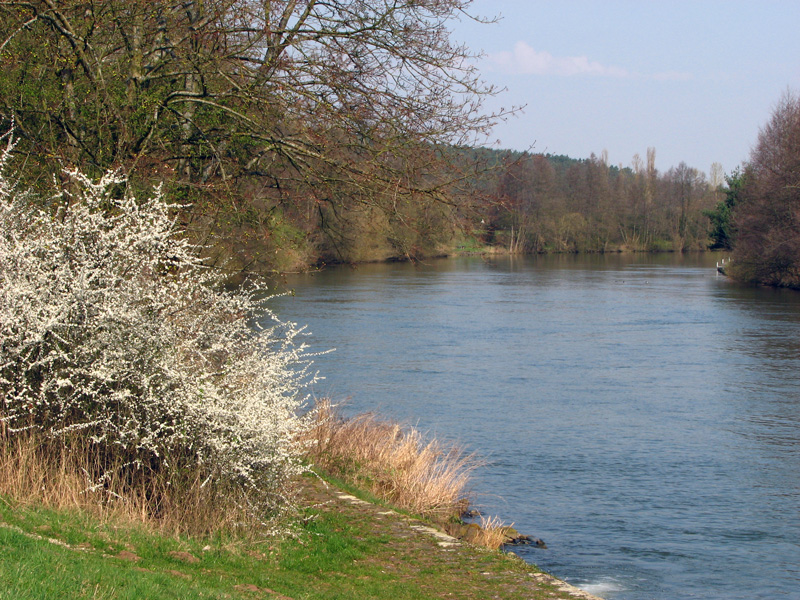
{"type": "Point", "coordinates": [127, 367]}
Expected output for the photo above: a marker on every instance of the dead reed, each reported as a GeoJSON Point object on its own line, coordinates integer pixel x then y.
{"type": "Point", "coordinates": [394, 462]}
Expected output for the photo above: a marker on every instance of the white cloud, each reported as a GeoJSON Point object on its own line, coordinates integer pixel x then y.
{"type": "Point", "coordinates": [525, 60]}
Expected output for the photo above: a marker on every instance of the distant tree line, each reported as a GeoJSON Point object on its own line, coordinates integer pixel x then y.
{"type": "Point", "coordinates": [546, 203]}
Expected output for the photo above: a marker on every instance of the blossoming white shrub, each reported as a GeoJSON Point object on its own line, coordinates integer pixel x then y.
{"type": "Point", "coordinates": [111, 329]}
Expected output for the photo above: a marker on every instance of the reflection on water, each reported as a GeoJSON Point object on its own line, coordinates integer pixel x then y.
{"type": "Point", "coordinates": [641, 413]}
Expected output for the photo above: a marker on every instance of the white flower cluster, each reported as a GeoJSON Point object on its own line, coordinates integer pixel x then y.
{"type": "Point", "coordinates": [111, 328]}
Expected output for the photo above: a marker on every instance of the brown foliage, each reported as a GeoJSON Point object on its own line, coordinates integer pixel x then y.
{"type": "Point", "coordinates": [277, 111]}
{"type": "Point", "coordinates": [547, 203]}
{"type": "Point", "coordinates": [768, 217]}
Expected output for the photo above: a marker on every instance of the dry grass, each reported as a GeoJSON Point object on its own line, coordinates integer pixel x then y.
{"type": "Point", "coordinates": [57, 475]}
{"type": "Point", "coordinates": [393, 462]}
{"type": "Point", "coordinates": [492, 534]}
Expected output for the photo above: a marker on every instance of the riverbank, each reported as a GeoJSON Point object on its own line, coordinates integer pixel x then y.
{"type": "Point", "coordinates": [286, 261]}
{"type": "Point", "coordinates": [440, 565]}
{"type": "Point", "coordinates": [344, 547]}
{"type": "Point", "coordinates": [338, 541]}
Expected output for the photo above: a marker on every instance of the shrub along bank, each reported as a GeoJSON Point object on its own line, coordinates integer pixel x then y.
{"type": "Point", "coordinates": [128, 371]}
{"type": "Point", "coordinates": [126, 362]}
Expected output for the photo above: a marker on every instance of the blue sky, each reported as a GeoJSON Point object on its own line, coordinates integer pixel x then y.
{"type": "Point", "coordinates": [695, 80]}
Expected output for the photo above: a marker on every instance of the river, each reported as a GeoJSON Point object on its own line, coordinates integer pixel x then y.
{"type": "Point", "coordinates": [640, 413]}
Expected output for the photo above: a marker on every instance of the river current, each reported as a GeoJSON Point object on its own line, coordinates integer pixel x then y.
{"type": "Point", "coordinates": [640, 413]}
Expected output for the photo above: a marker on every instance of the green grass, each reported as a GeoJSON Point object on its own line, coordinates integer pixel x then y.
{"type": "Point", "coordinates": [340, 551]}
{"type": "Point", "coordinates": [469, 244]}
{"type": "Point", "coordinates": [324, 562]}
{"type": "Point", "coordinates": [33, 564]}
{"type": "Point", "coordinates": [38, 569]}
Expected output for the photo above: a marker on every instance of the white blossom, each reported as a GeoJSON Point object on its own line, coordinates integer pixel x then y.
{"type": "Point", "coordinates": [110, 326]}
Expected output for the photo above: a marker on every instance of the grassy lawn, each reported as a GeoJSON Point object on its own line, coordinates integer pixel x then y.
{"type": "Point", "coordinates": [342, 550]}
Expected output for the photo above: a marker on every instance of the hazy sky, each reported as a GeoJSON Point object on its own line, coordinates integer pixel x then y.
{"type": "Point", "coordinates": [695, 80]}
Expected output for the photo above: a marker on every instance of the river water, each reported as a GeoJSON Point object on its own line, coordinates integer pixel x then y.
{"type": "Point", "coordinates": [639, 413]}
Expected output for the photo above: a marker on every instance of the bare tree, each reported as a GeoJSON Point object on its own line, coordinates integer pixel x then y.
{"type": "Point", "coordinates": [688, 185]}
{"type": "Point", "coordinates": [517, 199]}
{"type": "Point", "coordinates": [322, 100]}
{"type": "Point", "coordinates": [767, 216]}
